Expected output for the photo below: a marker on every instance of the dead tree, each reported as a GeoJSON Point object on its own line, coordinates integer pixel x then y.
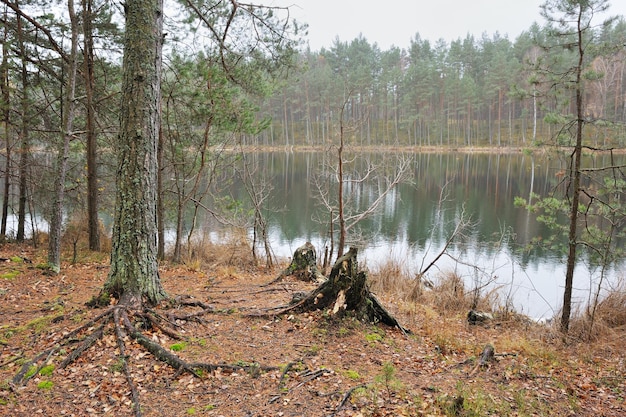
{"type": "Point", "coordinates": [346, 290]}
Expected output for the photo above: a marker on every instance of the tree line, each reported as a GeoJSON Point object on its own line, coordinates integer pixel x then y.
{"type": "Point", "coordinates": [487, 91]}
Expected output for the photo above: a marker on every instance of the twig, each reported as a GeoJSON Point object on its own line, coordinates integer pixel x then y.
{"type": "Point", "coordinates": [17, 358]}
{"type": "Point", "coordinates": [311, 377]}
{"type": "Point", "coordinates": [345, 398]}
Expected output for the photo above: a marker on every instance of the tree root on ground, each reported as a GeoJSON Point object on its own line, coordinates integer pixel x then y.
{"type": "Point", "coordinates": [121, 317]}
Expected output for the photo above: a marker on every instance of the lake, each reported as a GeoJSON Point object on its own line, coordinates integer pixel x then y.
{"type": "Point", "coordinates": [413, 222]}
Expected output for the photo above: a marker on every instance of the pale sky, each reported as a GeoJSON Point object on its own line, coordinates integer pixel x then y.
{"type": "Point", "coordinates": [395, 22]}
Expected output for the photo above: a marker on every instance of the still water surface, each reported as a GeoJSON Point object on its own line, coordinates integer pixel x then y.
{"type": "Point", "coordinates": [412, 224]}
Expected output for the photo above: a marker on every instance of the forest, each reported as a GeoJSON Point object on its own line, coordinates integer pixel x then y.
{"type": "Point", "coordinates": [487, 92]}
{"type": "Point", "coordinates": [122, 122]}
{"type": "Point", "coordinates": [491, 91]}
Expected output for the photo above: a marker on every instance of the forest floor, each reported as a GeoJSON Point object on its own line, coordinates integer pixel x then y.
{"type": "Point", "coordinates": [317, 364]}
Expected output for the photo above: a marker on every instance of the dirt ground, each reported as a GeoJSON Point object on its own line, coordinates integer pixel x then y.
{"type": "Point", "coordinates": [310, 364]}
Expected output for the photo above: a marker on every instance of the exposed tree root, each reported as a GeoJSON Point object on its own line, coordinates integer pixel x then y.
{"type": "Point", "coordinates": [121, 316]}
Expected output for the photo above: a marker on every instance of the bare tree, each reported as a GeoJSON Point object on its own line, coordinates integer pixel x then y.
{"type": "Point", "coordinates": [342, 208]}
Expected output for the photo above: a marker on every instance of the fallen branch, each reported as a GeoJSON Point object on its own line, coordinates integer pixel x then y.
{"type": "Point", "coordinates": [345, 399]}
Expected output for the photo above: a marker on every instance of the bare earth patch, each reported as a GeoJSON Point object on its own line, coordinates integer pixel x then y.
{"type": "Point", "coordinates": [311, 364]}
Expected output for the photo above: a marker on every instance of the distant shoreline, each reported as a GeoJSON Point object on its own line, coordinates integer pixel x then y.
{"type": "Point", "coordinates": [417, 149]}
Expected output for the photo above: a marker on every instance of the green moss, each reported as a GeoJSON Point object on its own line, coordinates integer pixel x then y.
{"type": "Point", "coordinates": [10, 275]}
{"type": "Point", "coordinates": [373, 337]}
{"type": "Point", "coordinates": [177, 347]}
{"type": "Point", "coordinates": [118, 366]}
{"type": "Point", "coordinates": [45, 385]}
{"type": "Point", "coordinates": [39, 324]}
{"type": "Point", "coordinates": [31, 371]}
{"type": "Point", "coordinates": [46, 370]}
{"type": "Point", "coordinates": [354, 375]}
{"type": "Point", "coordinates": [17, 259]}
{"type": "Point", "coordinates": [101, 300]}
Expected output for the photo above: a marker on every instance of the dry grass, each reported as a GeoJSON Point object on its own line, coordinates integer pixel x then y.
{"type": "Point", "coordinates": [448, 293]}
{"type": "Point", "coordinates": [609, 320]}
{"type": "Point", "coordinates": [227, 256]}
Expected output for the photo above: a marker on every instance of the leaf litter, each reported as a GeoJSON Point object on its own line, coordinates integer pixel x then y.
{"type": "Point", "coordinates": [311, 364]}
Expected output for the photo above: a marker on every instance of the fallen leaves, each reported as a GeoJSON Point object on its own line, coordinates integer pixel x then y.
{"type": "Point", "coordinates": [323, 352]}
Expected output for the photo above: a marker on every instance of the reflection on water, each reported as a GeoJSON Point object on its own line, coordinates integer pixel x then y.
{"type": "Point", "coordinates": [414, 221]}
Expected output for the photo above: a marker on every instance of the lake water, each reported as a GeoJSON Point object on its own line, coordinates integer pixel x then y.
{"type": "Point", "coordinates": [412, 224]}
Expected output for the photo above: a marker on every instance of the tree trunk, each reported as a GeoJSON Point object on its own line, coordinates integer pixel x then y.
{"type": "Point", "coordinates": [68, 106]}
{"type": "Point", "coordinates": [92, 164]}
{"type": "Point", "coordinates": [574, 187]}
{"type": "Point", "coordinates": [6, 116]}
{"type": "Point", "coordinates": [24, 138]}
{"type": "Point", "coordinates": [134, 275]}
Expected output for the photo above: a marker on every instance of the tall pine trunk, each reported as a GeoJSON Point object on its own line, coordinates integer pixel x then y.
{"type": "Point", "coordinates": [134, 276]}
{"type": "Point", "coordinates": [24, 137]}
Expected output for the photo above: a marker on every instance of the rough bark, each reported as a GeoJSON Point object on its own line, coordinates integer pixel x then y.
{"type": "Point", "coordinates": [6, 119]}
{"type": "Point", "coordinates": [134, 275]}
{"type": "Point", "coordinates": [24, 150]}
{"type": "Point", "coordinates": [92, 171]}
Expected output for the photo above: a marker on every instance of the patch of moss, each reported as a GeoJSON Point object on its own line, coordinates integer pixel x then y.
{"type": "Point", "coordinates": [17, 259]}
{"type": "Point", "coordinates": [101, 300]}
{"type": "Point", "coordinates": [118, 366]}
{"type": "Point", "coordinates": [39, 324]}
{"type": "Point", "coordinates": [373, 337]}
{"type": "Point", "coordinates": [177, 347]}
{"type": "Point", "coordinates": [354, 375]}
{"type": "Point", "coordinates": [10, 275]}
{"type": "Point", "coordinates": [31, 371]}
{"type": "Point", "coordinates": [45, 385]}
{"type": "Point", "coordinates": [46, 370]}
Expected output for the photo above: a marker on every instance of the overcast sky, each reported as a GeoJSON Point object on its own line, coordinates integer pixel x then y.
{"type": "Point", "coordinates": [395, 22]}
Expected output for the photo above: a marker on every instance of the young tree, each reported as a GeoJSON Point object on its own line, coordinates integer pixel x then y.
{"type": "Point", "coordinates": [68, 112]}
{"type": "Point", "coordinates": [571, 21]}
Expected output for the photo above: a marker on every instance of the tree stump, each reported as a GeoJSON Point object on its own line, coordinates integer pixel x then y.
{"type": "Point", "coordinates": [346, 290]}
{"type": "Point", "coordinates": [303, 265]}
